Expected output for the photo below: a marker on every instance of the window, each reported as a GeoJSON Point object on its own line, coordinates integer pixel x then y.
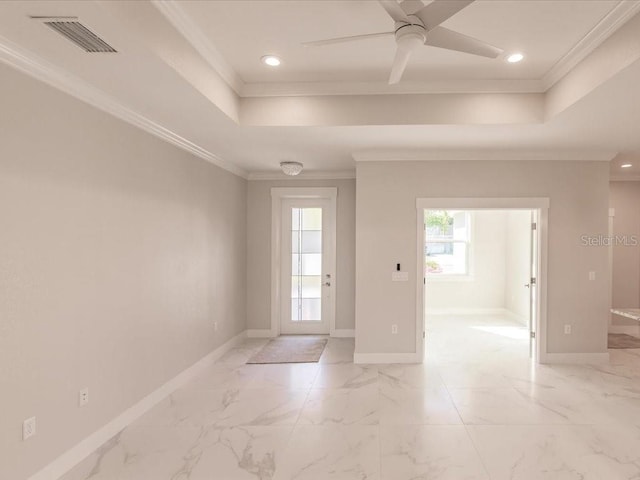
{"type": "Point", "coordinates": [306, 264]}
{"type": "Point", "coordinates": [447, 234]}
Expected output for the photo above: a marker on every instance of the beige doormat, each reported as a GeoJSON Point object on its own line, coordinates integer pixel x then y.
{"type": "Point", "coordinates": [622, 340]}
{"type": "Point", "coordinates": [295, 349]}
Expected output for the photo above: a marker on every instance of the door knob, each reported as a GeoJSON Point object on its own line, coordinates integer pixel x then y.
{"type": "Point", "coordinates": [327, 284]}
{"type": "Point", "coordinates": [527, 285]}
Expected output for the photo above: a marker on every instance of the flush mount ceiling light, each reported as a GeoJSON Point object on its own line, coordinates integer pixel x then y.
{"type": "Point", "coordinates": [515, 58]}
{"type": "Point", "coordinates": [271, 60]}
{"type": "Point", "coordinates": [626, 165]}
{"type": "Point", "coordinates": [291, 168]}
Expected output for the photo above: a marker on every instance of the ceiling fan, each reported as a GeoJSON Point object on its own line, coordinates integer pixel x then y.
{"type": "Point", "coordinates": [417, 25]}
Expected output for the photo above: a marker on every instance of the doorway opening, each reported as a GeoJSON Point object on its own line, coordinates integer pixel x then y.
{"type": "Point", "coordinates": [482, 273]}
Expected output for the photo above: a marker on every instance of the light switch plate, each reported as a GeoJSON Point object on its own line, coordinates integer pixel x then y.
{"type": "Point", "coordinates": [28, 428]}
{"type": "Point", "coordinates": [400, 277]}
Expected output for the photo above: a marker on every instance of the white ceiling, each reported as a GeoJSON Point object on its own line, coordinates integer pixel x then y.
{"type": "Point", "coordinates": [245, 31]}
{"type": "Point", "coordinates": [172, 58]}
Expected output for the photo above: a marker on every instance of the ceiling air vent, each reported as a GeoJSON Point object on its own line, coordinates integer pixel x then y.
{"type": "Point", "coordinates": [81, 36]}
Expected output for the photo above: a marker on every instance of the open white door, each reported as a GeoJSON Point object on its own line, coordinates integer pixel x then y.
{"type": "Point", "coordinates": [533, 283]}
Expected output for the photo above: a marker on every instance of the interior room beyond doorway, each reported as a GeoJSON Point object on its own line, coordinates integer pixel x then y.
{"type": "Point", "coordinates": [479, 294]}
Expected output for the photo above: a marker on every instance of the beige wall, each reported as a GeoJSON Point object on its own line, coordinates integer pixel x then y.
{"type": "Point", "coordinates": [518, 263]}
{"type": "Point", "coordinates": [625, 199]}
{"type": "Point", "coordinates": [259, 250]}
{"type": "Point", "coordinates": [117, 254]}
{"type": "Point", "coordinates": [386, 234]}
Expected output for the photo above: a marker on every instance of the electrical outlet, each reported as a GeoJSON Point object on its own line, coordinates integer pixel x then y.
{"type": "Point", "coordinates": [567, 329]}
{"type": "Point", "coordinates": [28, 428]}
{"type": "Point", "coordinates": [394, 329]}
{"type": "Point", "coordinates": [83, 397]}
{"type": "Point", "coordinates": [215, 326]}
{"type": "Point", "coordinates": [592, 275]}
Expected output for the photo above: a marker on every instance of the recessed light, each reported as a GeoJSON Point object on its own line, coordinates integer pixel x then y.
{"type": "Point", "coordinates": [271, 60]}
{"type": "Point", "coordinates": [515, 58]}
{"type": "Point", "coordinates": [626, 165]}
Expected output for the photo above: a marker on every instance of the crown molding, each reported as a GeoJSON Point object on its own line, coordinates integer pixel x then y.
{"type": "Point", "coordinates": [184, 24]}
{"type": "Point", "coordinates": [482, 155]}
{"type": "Point", "coordinates": [297, 89]}
{"type": "Point", "coordinates": [305, 175]}
{"type": "Point", "coordinates": [36, 67]}
{"type": "Point", "coordinates": [624, 178]}
{"type": "Point", "coordinates": [611, 22]}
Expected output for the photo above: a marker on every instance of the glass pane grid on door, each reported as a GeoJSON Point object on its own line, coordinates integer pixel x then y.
{"type": "Point", "coordinates": [306, 264]}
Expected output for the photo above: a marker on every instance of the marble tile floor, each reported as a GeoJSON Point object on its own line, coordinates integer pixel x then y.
{"type": "Point", "coordinates": [476, 409]}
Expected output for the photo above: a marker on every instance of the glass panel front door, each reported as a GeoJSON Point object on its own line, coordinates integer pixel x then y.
{"type": "Point", "coordinates": [306, 264]}
{"type": "Point", "coordinates": [306, 279]}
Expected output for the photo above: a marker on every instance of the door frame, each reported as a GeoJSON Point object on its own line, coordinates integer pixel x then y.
{"type": "Point", "coordinates": [540, 204]}
{"type": "Point", "coordinates": [278, 194]}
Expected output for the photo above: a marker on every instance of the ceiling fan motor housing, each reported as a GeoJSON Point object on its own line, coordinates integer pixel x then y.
{"type": "Point", "coordinates": [411, 33]}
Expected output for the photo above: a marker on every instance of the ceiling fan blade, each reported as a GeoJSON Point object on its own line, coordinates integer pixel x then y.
{"type": "Point", "coordinates": [330, 41]}
{"type": "Point", "coordinates": [410, 7]}
{"type": "Point", "coordinates": [405, 47]}
{"type": "Point", "coordinates": [444, 38]}
{"type": "Point", "coordinates": [440, 10]}
{"type": "Point", "coordinates": [394, 10]}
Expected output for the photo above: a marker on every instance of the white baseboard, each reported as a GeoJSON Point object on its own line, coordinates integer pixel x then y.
{"type": "Point", "coordinates": [575, 358]}
{"type": "Point", "coordinates": [266, 333]}
{"type": "Point", "coordinates": [344, 333]}
{"type": "Point", "coordinates": [516, 318]}
{"type": "Point", "coordinates": [80, 451]}
{"type": "Point", "coordinates": [260, 333]}
{"type": "Point", "coordinates": [373, 358]}
{"type": "Point", "coordinates": [628, 329]}
{"type": "Point", "coordinates": [466, 311]}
